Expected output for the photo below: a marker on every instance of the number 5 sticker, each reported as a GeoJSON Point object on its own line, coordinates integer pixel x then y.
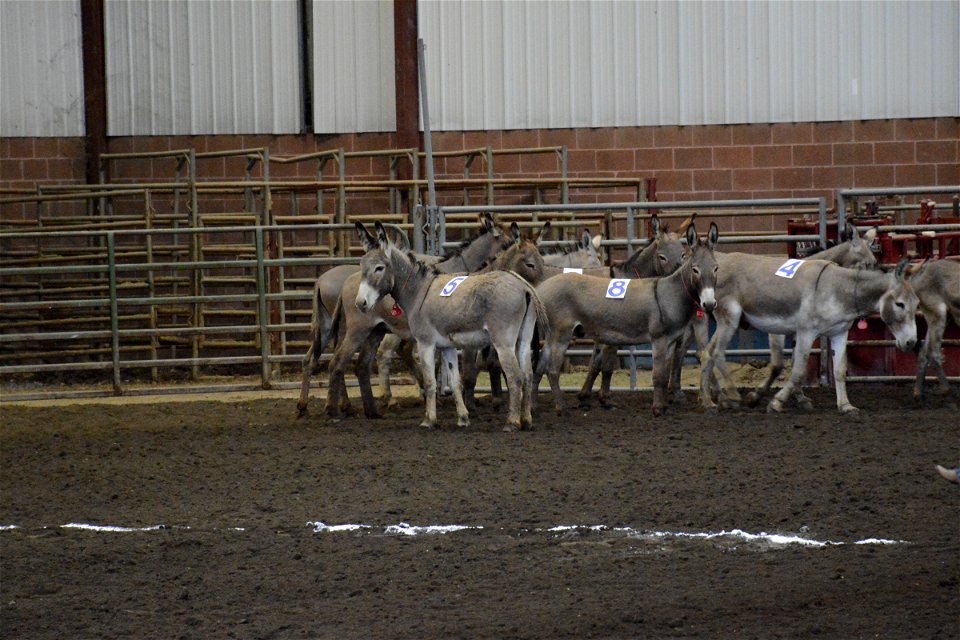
{"type": "Point", "coordinates": [617, 289]}
{"type": "Point", "coordinates": [452, 286]}
{"type": "Point", "coordinates": [789, 268]}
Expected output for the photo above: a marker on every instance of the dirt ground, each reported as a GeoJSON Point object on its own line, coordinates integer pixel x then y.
{"type": "Point", "coordinates": [235, 484]}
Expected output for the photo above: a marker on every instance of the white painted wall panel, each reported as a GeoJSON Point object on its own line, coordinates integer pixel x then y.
{"type": "Point", "coordinates": [178, 67]}
{"type": "Point", "coordinates": [353, 67]}
{"type": "Point", "coordinates": [41, 69]}
{"type": "Point", "coordinates": [598, 63]}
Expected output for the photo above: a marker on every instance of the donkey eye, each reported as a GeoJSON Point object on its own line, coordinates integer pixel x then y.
{"type": "Point", "coordinates": [696, 270]}
{"type": "Point", "coordinates": [716, 268]}
{"type": "Point", "coordinates": [530, 265]}
{"type": "Point", "coordinates": [662, 257]}
{"type": "Point", "coordinates": [900, 305]}
{"type": "Point", "coordinates": [378, 269]}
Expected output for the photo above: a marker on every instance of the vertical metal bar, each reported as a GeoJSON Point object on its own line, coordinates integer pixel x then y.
{"type": "Point", "coordinates": [342, 240]}
{"type": "Point", "coordinates": [630, 237]}
{"type": "Point", "coordinates": [151, 282]}
{"type": "Point", "coordinates": [262, 311]}
{"type": "Point", "coordinates": [114, 312]}
{"type": "Point", "coordinates": [823, 223]}
{"type": "Point", "coordinates": [488, 154]}
{"type": "Point", "coordinates": [564, 186]}
{"type": "Point", "coordinates": [841, 213]}
{"type": "Point", "coordinates": [196, 253]}
{"type": "Point", "coordinates": [418, 222]}
{"type": "Point", "coordinates": [425, 112]}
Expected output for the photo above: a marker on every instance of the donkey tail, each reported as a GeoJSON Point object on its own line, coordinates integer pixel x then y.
{"type": "Point", "coordinates": [535, 304]}
{"type": "Point", "coordinates": [335, 322]}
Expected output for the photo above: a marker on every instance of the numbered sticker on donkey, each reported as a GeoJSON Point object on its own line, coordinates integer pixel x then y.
{"type": "Point", "coordinates": [617, 289]}
{"type": "Point", "coordinates": [789, 268]}
{"type": "Point", "coordinates": [573, 270]}
{"type": "Point", "coordinates": [452, 286]}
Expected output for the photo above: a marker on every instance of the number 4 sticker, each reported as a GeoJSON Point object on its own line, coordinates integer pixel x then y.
{"type": "Point", "coordinates": [789, 268]}
{"type": "Point", "coordinates": [617, 289]}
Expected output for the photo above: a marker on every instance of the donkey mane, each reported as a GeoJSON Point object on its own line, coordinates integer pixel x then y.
{"type": "Point", "coordinates": [456, 251]}
{"type": "Point", "coordinates": [422, 268]}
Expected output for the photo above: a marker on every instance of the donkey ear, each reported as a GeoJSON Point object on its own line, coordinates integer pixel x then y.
{"type": "Point", "coordinates": [691, 236]}
{"type": "Point", "coordinates": [871, 233]}
{"type": "Point", "coordinates": [486, 223]}
{"type": "Point", "coordinates": [597, 239]}
{"type": "Point", "coordinates": [713, 236]}
{"type": "Point", "coordinates": [585, 239]}
{"type": "Point", "coordinates": [542, 234]}
{"type": "Point", "coordinates": [689, 221]}
{"type": "Point", "coordinates": [369, 242]}
{"type": "Point", "coordinates": [655, 225]}
{"type": "Point", "coordinates": [901, 269]}
{"type": "Point", "coordinates": [381, 234]}
{"type": "Point", "coordinates": [515, 231]}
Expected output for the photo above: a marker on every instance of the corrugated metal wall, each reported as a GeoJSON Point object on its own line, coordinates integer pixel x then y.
{"type": "Point", "coordinates": [495, 64]}
{"type": "Point", "coordinates": [41, 72]}
{"type": "Point", "coordinates": [202, 67]}
{"type": "Point", "coordinates": [353, 67]}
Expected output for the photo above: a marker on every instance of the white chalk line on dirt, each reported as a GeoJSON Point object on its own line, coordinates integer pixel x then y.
{"type": "Point", "coordinates": [407, 529]}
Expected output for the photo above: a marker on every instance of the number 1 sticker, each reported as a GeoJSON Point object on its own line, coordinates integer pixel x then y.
{"type": "Point", "coordinates": [452, 286]}
{"type": "Point", "coordinates": [617, 289]}
{"type": "Point", "coordinates": [789, 268]}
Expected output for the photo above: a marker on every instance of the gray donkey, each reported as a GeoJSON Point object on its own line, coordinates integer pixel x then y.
{"type": "Point", "coordinates": [328, 291]}
{"type": "Point", "coordinates": [938, 286]}
{"type": "Point", "coordinates": [586, 253]}
{"type": "Point", "coordinates": [804, 298]}
{"type": "Point", "coordinates": [853, 252]}
{"type": "Point", "coordinates": [498, 308]}
{"type": "Point", "coordinates": [622, 312]}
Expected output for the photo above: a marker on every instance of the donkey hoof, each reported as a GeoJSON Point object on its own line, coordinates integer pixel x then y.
{"type": "Point", "coordinates": [805, 405]}
{"type": "Point", "coordinates": [426, 424]}
{"type": "Point", "coordinates": [301, 411]}
{"type": "Point", "coordinates": [752, 399]}
{"type": "Point", "coordinates": [463, 421]}
{"type": "Point", "coordinates": [659, 410]}
{"type": "Point", "coordinates": [775, 406]}
{"type": "Point", "coordinates": [849, 410]}
{"type": "Point", "coordinates": [607, 404]}
{"type": "Point", "coordinates": [511, 427]}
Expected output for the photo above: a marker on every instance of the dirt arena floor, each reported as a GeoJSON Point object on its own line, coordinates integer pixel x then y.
{"type": "Point", "coordinates": [598, 525]}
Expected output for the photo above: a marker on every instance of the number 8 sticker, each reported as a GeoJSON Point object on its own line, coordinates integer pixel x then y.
{"type": "Point", "coordinates": [452, 286]}
{"type": "Point", "coordinates": [617, 289]}
{"type": "Point", "coordinates": [789, 268]}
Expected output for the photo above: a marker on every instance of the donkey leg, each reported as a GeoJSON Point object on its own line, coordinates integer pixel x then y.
{"type": "Point", "coordinates": [388, 350]}
{"type": "Point", "coordinates": [608, 364]}
{"type": "Point", "coordinates": [662, 359]}
{"type": "Point", "coordinates": [773, 371]}
{"type": "Point", "coordinates": [320, 328]}
{"type": "Point", "coordinates": [801, 351]}
{"type": "Point", "coordinates": [449, 358]}
{"type": "Point", "coordinates": [469, 378]}
{"type": "Point", "coordinates": [930, 353]}
{"type": "Point", "coordinates": [368, 353]}
{"type": "Point", "coordinates": [337, 400]}
{"type": "Point", "coordinates": [495, 371]}
{"type": "Point", "coordinates": [514, 374]}
{"type": "Point", "coordinates": [426, 353]}
{"type": "Point", "coordinates": [586, 390]}
{"type": "Point", "coordinates": [554, 362]}
{"type": "Point", "coordinates": [716, 363]}
{"type": "Point", "coordinates": [838, 344]}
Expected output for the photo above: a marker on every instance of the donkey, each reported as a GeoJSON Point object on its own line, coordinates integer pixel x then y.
{"type": "Point", "coordinates": [498, 308]}
{"type": "Point", "coordinates": [661, 257]}
{"type": "Point", "coordinates": [938, 286]}
{"type": "Point", "coordinates": [804, 298]}
{"type": "Point", "coordinates": [854, 252]}
{"type": "Point", "coordinates": [585, 254]}
{"type": "Point", "coordinates": [624, 311]}
{"type": "Point", "coordinates": [491, 239]}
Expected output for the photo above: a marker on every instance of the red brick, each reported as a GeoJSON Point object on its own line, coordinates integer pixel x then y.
{"type": "Point", "coordinates": [633, 137]}
{"type": "Point", "coordinates": [868, 130]}
{"type": "Point", "coordinates": [853, 153]}
{"type": "Point", "coordinates": [712, 135]}
{"type": "Point", "coordinates": [713, 180]}
{"type": "Point", "coordinates": [581, 160]}
{"type": "Point", "coordinates": [752, 179]}
{"type": "Point", "coordinates": [832, 177]}
{"type": "Point", "coordinates": [751, 134]}
{"type": "Point", "coordinates": [948, 174]}
{"type": "Point", "coordinates": [732, 157]}
{"type": "Point", "coordinates": [34, 169]}
{"type": "Point", "coordinates": [915, 175]}
{"type": "Point", "coordinates": [21, 147]}
{"type": "Point", "coordinates": [794, 178]}
{"type": "Point", "coordinates": [45, 148]}
{"type": "Point", "coordinates": [670, 181]}
{"type": "Point", "coordinates": [653, 159]}
{"type": "Point", "coordinates": [894, 153]}
{"type": "Point", "coordinates": [224, 143]}
{"type": "Point", "coordinates": [833, 131]}
{"type": "Point", "coordinates": [520, 139]}
{"type": "Point", "coordinates": [477, 139]}
{"type": "Point", "coordinates": [875, 176]}
{"type": "Point", "coordinates": [937, 152]}
{"type": "Point", "coordinates": [70, 147]}
{"type": "Point", "coordinates": [693, 158]}
{"type": "Point", "coordinates": [594, 138]}
{"type": "Point", "coordinates": [509, 164]}
{"type": "Point", "coordinates": [920, 129]}
{"type": "Point", "coordinates": [773, 156]}
{"type": "Point", "coordinates": [812, 155]}
{"type": "Point", "coordinates": [615, 160]}
{"type": "Point", "coordinates": [672, 136]}
{"type": "Point", "coordinates": [65, 169]}
{"type": "Point", "coordinates": [792, 132]}
{"type": "Point", "coordinates": [10, 169]}
{"type": "Point", "coordinates": [948, 128]}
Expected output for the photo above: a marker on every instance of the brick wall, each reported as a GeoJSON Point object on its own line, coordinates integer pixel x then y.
{"type": "Point", "coordinates": [696, 162]}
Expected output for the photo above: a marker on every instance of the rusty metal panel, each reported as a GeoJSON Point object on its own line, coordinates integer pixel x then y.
{"type": "Point", "coordinates": [41, 72]}
{"type": "Point", "coordinates": [202, 67]}
{"type": "Point", "coordinates": [353, 66]}
{"type": "Point", "coordinates": [497, 64]}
